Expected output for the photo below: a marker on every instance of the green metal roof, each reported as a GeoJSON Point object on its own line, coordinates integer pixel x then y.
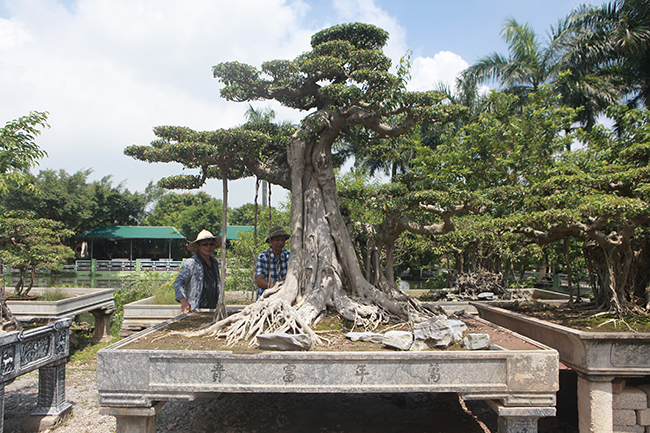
{"type": "Point", "coordinates": [133, 232]}
{"type": "Point", "coordinates": [233, 232]}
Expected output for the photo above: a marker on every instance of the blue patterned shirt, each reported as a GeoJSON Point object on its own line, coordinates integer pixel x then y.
{"type": "Point", "coordinates": [189, 282]}
{"type": "Point", "coordinates": [268, 264]}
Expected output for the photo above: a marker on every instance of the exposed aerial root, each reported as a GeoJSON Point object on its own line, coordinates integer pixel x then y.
{"type": "Point", "coordinates": [264, 316]}
{"type": "Point", "coordinates": [363, 314]}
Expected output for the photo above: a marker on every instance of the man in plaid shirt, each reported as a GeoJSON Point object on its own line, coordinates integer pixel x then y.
{"type": "Point", "coordinates": [272, 264]}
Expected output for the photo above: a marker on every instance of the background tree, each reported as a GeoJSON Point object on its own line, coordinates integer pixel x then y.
{"type": "Point", "coordinates": [26, 241]}
{"type": "Point", "coordinates": [613, 41]}
{"type": "Point", "coordinates": [532, 64]}
{"type": "Point", "coordinates": [489, 165]}
{"type": "Point", "coordinates": [598, 196]}
{"type": "Point", "coordinates": [18, 151]}
{"type": "Point", "coordinates": [188, 212]}
{"type": "Point", "coordinates": [79, 204]}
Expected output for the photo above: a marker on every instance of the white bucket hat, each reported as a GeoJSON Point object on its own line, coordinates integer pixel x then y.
{"type": "Point", "coordinates": [203, 235]}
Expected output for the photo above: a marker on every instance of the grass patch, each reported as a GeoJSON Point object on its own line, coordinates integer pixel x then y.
{"type": "Point", "coordinates": [88, 351]}
{"type": "Point", "coordinates": [164, 294]}
{"type": "Point", "coordinates": [82, 330]}
{"type": "Point", "coordinates": [53, 295]}
{"type": "Point", "coordinates": [581, 317]}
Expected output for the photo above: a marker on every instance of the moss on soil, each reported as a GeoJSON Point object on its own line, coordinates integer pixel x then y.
{"type": "Point", "coordinates": [581, 317]}
{"type": "Point", "coordinates": [331, 329]}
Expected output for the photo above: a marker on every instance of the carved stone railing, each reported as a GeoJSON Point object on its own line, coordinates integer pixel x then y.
{"type": "Point", "coordinates": [44, 348]}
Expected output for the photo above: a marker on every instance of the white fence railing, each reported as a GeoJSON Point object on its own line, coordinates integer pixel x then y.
{"type": "Point", "coordinates": [117, 265]}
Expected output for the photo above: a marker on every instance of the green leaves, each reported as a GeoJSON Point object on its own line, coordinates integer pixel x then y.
{"type": "Point", "coordinates": [28, 241]}
{"type": "Point", "coordinates": [360, 36]}
{"type": "Point", "coordinates": [18, 151]}
{"type": "Point", "coordinates": [216, 154]}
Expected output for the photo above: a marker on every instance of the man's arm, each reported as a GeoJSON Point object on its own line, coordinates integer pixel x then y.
{"type": "Point", "coordinates": [180, 283]}
{"type": "Point", "coordinates": [261, 282]}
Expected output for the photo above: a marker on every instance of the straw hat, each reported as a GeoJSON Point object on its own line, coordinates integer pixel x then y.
{"type": "Point", "coordinates": [204, 235]}
{"type": "Point", "coordinates": [277, 231]}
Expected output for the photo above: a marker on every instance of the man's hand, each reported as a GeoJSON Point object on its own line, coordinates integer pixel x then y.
{"type": "Point", "coordinates": [185, 306]}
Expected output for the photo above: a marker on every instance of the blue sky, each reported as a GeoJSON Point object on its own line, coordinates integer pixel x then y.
{"type": "Point", "coordinates": [108, 71]}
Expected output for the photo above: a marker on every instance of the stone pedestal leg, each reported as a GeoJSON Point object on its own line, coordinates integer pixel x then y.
{"type": "Point", "coordinates": [102, 325]}
{"type": "Point", "coordinates": [134, 419]}
{"type": "Point", "coordinates": [2, 407]}
{"type": "Point", "coordinates": [595, 412]}
{"type": "Point", "coordinates": [519, 419]}
{"type": "Point", "coordinates": [517, 425]}
{"type": "Point", "coordinates": [52, 407]}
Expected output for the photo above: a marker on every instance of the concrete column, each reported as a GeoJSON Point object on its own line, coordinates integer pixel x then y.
{"type": "Point", "coordinates": [595, 412]}
{"type": "Point", "coordinates": [134, 419]}
{"type": "Point", "coordinates": [102, 325]}
{"type": "Point", "coordinates": [52, 407]}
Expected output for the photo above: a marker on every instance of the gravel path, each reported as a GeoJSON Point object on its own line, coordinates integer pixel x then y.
{"type": "Point", "coordinates": [257, 413]}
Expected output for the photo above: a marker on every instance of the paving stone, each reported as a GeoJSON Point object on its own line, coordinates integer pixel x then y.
{"type": "Point", "coordinates": [476, 341]}
{"type": "Point", "coordinates": [439, 331]}
{"type": "Point", "coordinates": [283, 341]}
{"type": "Point", "coordinates": [373, 337]}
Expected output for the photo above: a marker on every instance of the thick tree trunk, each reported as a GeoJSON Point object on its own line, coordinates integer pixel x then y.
{"type": "Point", "coordinates": [20, 285]}
{"type": "Point", "coordinates": [220, 312]}
{"type": "Point", "coordinates": [612, 265]}
{"type": "Point", "coordinates": [323, 267]}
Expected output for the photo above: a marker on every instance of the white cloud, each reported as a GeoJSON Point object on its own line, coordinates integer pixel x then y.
{"type": "Point", "coordinates": [427, 72]}
{"type": "Point", "coordinates": [12, 34]}
{"type": "Point", "coordinates": [366, 11]}
{"type": "Point", "coordinates": [108, 71]}
{"type": "Point", "coordinates": [113, 69]}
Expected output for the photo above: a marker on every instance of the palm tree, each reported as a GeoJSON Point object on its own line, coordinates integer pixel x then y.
{"type": "Point", "coordinates": [532, 64]}
{"type": "Point", "coordinates": [614, 41]}
{"type": "Point", "coordinates": [529, 65]}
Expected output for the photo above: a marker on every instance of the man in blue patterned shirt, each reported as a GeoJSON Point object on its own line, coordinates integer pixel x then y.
{"type": "Point", "coordinates": [272, 264]}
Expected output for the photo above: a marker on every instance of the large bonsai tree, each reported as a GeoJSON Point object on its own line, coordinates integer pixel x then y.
{"type": "Point", "coordinates": [345, 85]}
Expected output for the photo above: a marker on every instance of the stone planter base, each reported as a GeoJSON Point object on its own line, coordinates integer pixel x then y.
{"type": "Point", "coordinates": [99, 302]}
{"type": "Point", "coordinates": [519, 384]}
{"type": "Point", "coordinates": [599, 358]}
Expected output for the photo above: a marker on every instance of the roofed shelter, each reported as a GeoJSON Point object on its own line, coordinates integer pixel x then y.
{"type": "Point", "coordinates": [232, 232]}
{"type": "Point", "coordinates": [131, 233]}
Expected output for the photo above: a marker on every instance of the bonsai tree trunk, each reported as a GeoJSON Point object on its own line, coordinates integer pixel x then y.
{"type": "Point", "coordinates": [7, 320]}
{"type": "Point", "coordinates": [20, 285]}
{"type": "Point", "coordinates": [220, 312]}
{"type": "Point", "coordinates": [323, 267]}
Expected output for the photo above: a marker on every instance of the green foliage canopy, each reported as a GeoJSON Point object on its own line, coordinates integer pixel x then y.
{"type": "Point", "coordinates": [18, 151]}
